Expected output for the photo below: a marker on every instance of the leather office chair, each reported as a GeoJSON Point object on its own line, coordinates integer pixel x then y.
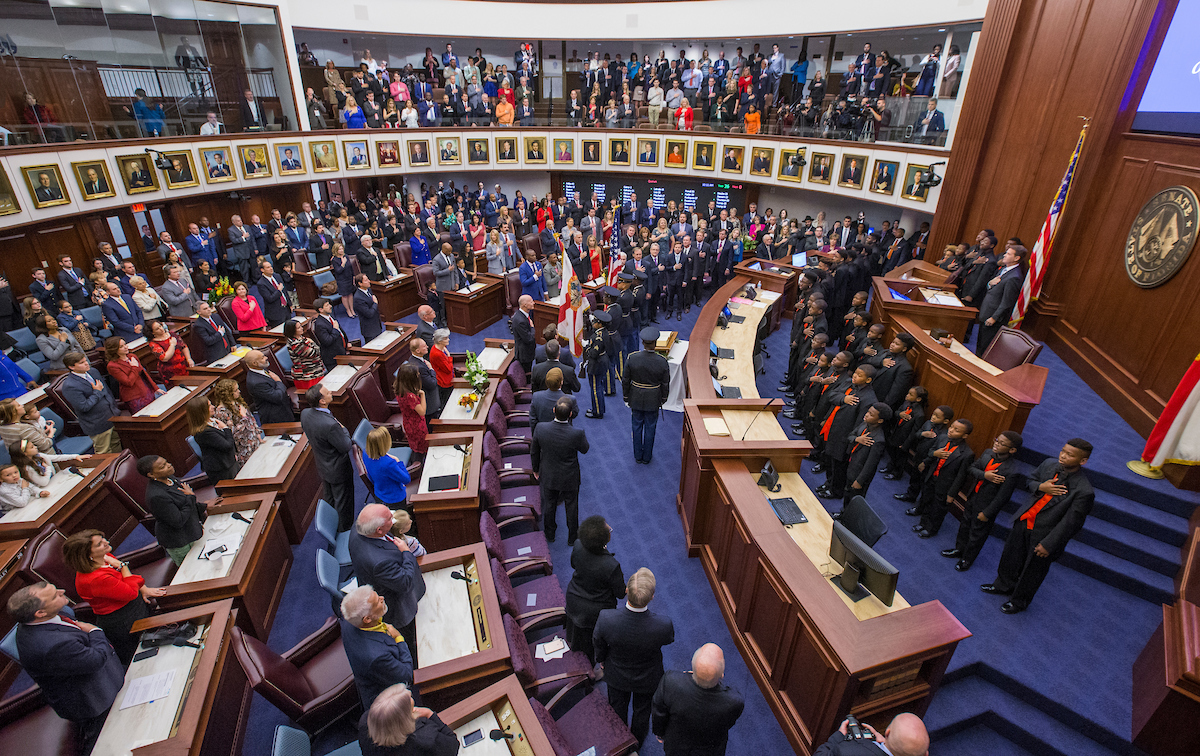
{"type": "Point", "coordinates": [589, 723]}
{"type": "Point", "coordinates": [225, 310]}
{"type": "Point", "coordinates": [371, 403]}
{"type": "Point", "coordinates": [289, 741]}
{"type": "Point", "coordinates": [27, 343]}
{"type": "Point", "coordinates": [547, 681]}
{"type": "Point", "coordinates": [28, 725]}
{"type": "Point", "coordinates": [507, 399]}
{"type": "Point", "coordinates": [534, 242]}
{"type": "Point", "coordinates": [522, 502]}
{"type": "Point", "coordinates": [129, 487]}
{"type": "Point", "coordinates": [54, 389]}
{"type": "Point", "coordinates": [507, 551]}
{"type": "Point", "coordinates": [424, 275]}
{"type": "Point", "coordinates": [402, 255]}
{"type": "Point", "coordinates": [519, 380]}
{"type": "Point", "coordinates": [1011, 348]}
{"type": "Point", "coordinates": [863, 521]}
{"type": "Point", "coordinates": [512, 440]}
{"type": "Point", "coordinates": [66, 444]}
{"type": "Point", "coordinates": [512, 291]}
{"type": "Point", "coordinates": [534, 604]}
{"type": "Point", "coordinates": [311, 683]}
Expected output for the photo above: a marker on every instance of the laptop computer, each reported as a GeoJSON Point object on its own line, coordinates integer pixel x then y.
{"type": "Point", "coordinates": [719, 352]}
{"type": "Point", "coordinates": [730, 317]}
{"type": "Point", "coordinates": [726, 392]}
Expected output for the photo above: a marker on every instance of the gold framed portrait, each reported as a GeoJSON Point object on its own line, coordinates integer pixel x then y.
{"type": "Point", "coordinates": [535, 149]}
{"type": "Point", "coordinates": [9, 204]}
{"type": "Point", "coordinates": [702, 156]}
{"type": "Point", "coordinates": [324, 156]}
{"type": "Point", "coordinates": [45, 186]}
{"type": "Point", "coordinates": [478, 151]}
{"type": "Point", "coordinates": [93, 179]}
{"type": "Point", "coordinates": [912, 189]}
{"type": "Point", "coordinates": [182, 173]}
{"type": "Point", "coordinates": [647, 152]}
{"type": "Point", "coordinates": [677, 154]}
{"type": "Point", "coordinates": [218, 168]}
{"type": "Point", "coordinates": [761, 159]}
{"type": "Point", "coordinates": [883, 177]}
{"type": "Point", "coordinates": [564, 150]}
{"type": "Point", "coordinates": [791, 164]}
{"type": "Point", "coordinates": [387, 153]}
{"type": "Point", "coordinates": [506, 150]}
{"type": "Point", "coordinates": [732, 159]}
{"type": "Point", "coordinates": [358, 155]}
{"type": "Point", "coordinates": [449, 152]}
{"type": "Point", "coordinates": [289, 159]}
{"type": "Point", "coordinates": [137, 173]}
{"type": "Point", "coordinates": [591, 152]}
{"type": "Point", "coordinates": [854, 168]}
{"type": "Point", "coordinates": [254, 160]}
{"type": "Point", "coordinates": [418, 152]}
{"type": "Point", "coordinates": [820, 168]}
{"type": "Point", "coordinates": [618, 152]}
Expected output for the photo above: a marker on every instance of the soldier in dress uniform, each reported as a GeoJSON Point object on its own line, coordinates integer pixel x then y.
{"type": "Point", "coordinates": [646, 383]}
{"type": "Point", "coordinates": [595, 357]}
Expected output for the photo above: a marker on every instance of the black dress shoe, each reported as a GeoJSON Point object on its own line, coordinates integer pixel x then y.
{"type": "Point", "coordinates": [825, 493]}
{"type": "Point", "coordinates": [798, 428]}
{"type": "Point", "coordinates": [918, 528]}
{"type": "Point", "coordinates": [925, 534]}
{"type": "Point", "coordinates": [1011, 607]}
{"type": "Point", "coordinates": [836, 515]}
{"type": "Point", "coordinates": [790, 414]}
{"type": "Point", "coordinates": [962, 565]}
{"type": "Point", "coordinates": [891, 476]}
{"type": "Point", "coordinates": [913, 512]}
{"type": "Point", "coordinates": [654, 321]}
{"type": "Point", "coordinates": [991, 588]}
{"type": "Point", "coordinates": [790, 394]}
{"type": "Point", "coordinates": [951, 553]}
{"type": "Point", "coordinates": [549, 538]}
{"type": "Point", "coordinates": [904, 497]}
{"type": "Point", "coordinates": [817, 469]}
{"type": "Point", "coordinates": [570, 542]}
{"type": "Point", "coordinates": [592, 415]}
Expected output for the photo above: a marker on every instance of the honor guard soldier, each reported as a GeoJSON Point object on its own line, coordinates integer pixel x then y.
{"type": "Point", "coordinates": [595, 357]}
{"type": "Point", "coordinates": [646, 383]}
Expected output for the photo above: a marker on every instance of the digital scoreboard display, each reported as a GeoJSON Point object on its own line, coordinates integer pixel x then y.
{"type": "Point", "coordinates": [697, 192]}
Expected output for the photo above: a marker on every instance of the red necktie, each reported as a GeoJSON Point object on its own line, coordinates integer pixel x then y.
{"type": "Point", "coordinates": [829, 420]}
{"type": "Point", "coordinates": [1030, 516]}
{"type": "Point", "coordinates": [941, 462]}
{"type": "Point", "coordinates": [991, 465]}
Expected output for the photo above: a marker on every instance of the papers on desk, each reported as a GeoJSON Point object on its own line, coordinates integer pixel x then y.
{"type": "Point", "coordinates": [555, 648]}
{"type": "Point", "coordinates": [338, 377]}
{"type": "Point", "coordinates": [759, 305]}
{"type": "Point", "coordinates": [715, 426]}
{"type": "Point", "coordinates": [31, 396]}
{"type": "Point", "coordinates": [279, 328]}
{"type": "Point", "coordinates": [492, 357]}
{"type": "Point", "coordinates": [218, 548]}
{"type": "Point", "coordinates": [469, 288]}
{"type": "Point", "coordinates": [934, 296]}
{"type": "Point", "coordinates": [768, 296]}
{"type": "Point", "coordinates": [148, 689]}
{"type": "Point", "coordinates": [162, 403]}
{"type": "Point", "coordinates": [228, 360]}
{"type": "Point", "coordinates": [380, 342]}
{"type": "Point", "coordinates": [139, 341]}
{"type": "Point", "coordinates": [349, 588]}
{"type": "Point", "coordinates": [397, 277]}
{"type": "Point", "coordinates": [267, 459]}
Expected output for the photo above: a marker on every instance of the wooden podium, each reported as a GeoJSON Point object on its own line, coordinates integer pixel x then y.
{"type": "Point", "coordinates": [397, 296]}
{"type": "Point", "coordinates": [927, 315]}
{"type": "Point", "coordinates": [495, 357]}
{"type": "Point", "coordinates": [919, 270]}
{"type": "Point", "coordinates": [74, 503]}
{"type": "Point", "coordinates": [161, 427]}
{"type": "Point", "coordinates": [448, 519]}
{"type": "Point", "coordinates": [471, 311]}
{"type": "Point", "coordinates": [459, 419]}
{"type": "Point", "coordinates": [287, 469]}
{"type": "Point", "coordinates": [774, 275]}
{"type": "Point", "coordinates": [339, 382]}
{"type": "Point", "coordinates": [500, 706]}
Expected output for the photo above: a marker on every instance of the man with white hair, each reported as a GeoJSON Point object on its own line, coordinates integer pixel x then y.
{"type": "Point", "coordinates": [692, 712]}
{"type": "Point", "coordinates": [388, 564]}
{"type": "Point", "coordinates": [378, 654]}
{"type": "Point", "coordinates": [905, 736]}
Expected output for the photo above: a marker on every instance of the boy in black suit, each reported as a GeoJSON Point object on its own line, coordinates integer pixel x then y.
{"type": "Point", "coordinates": [991, 480]}
{"type": "Point", "coordinates": [942, 468]}
{"type": "Point", "coordinates": [919, 445]}
{"type": "Point", "coordinates": [909, 418]}
{"type": "Point", "coordinates": [867, 443]}
{"type": "Point", "coordinates": [846, 413]}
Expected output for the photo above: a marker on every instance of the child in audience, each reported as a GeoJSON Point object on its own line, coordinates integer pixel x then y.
{"type": "Point", "coordinates": [402, 523]}
{"type": "Point", "coordinates": [15, 491]}
{"type": "Point", "coordinates": [919, 445]}
{"type": "Point", "coordinates": [36, 467]}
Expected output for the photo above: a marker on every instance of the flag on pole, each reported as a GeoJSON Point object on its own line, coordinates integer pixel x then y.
{"type": "Point", "coordinates": [1176, 436]}
{"type": "Point", "coordinates": [1040, 257]}
{"type": "Point", "coordinates": [573, 310]}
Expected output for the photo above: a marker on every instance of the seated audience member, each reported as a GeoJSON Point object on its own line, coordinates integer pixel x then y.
{"type": "Point", "coordinates": [54, 342]}
{"type": "Point", "coordinates": [36, 467]}
{"type": "Point", "coordinates": [393, 726]}
{"type": "Point", "coordinates": [245, 308]}
{"type": "Point", "coordinates": [15, 491]}
{"type": "Point", "coordinates": [378, 654]}
{"type": "Point", "coordinates": [389, 477]}
{"type": "Point", "coordinates": [178, 514]}
{"type": "Point", "coordinates": [71, 661]}
{"type": "Point", "coordinates": [137, 388]}
{"type": "Point", "coordinates": [386, 563]}
{"type": "Point", "coordinates": [174, 357]}
{"type": "Point", "coordinates": [118, 597]}
{"type": "Point", "coordinates": [218, 450]}
{"type": "Point", "coordinates": [904, 736]}
{"type": "Point", "coordinates": [413, 401]}
{"type": "Point", "coordinates": [92, 402]}
{"type": "Point", "coordinates": [16, 427]}
{"type": "Point", "coordinates": [596, 584]}
{"type": "Point", "coordinates": [231, 409]}
{"type": "Point", "coordinates": [307, 367]}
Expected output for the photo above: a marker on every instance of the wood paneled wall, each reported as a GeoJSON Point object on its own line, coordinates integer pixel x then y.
{"type": "Point", "coordinates": [1065, 59]}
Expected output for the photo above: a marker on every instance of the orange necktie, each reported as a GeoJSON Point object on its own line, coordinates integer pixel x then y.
{"type": "Point", "coordinates": [937, 470]}
{"type": "Point", "coordinates": [991, 465]}
{"type": "Point", "coordinates": [829, 420]}
{"type": "Point", "coordinates": [1030, 516]}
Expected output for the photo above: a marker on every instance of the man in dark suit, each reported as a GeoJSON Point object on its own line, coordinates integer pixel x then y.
{"type": "Point", "coordinates": [251, 111]}
{"type": "Point", "coordinates": [426, 324]}
{"type": "Point", "coordinates": [241, 249]}
{"type": "Point", "coordinates": [267, 390]}
{"type": "Point", "coordinates": [522, 328]}
{"type": "Point", "coordinates": [419, 349]}
{"type": "Point", "coordinates": [550, 333]}
{"type": "Point", "coordinates": [330, 336]}
{"type": "Point", "coordinates": [366, 307]}
{"type": "Point", "coordinates": [1044, 526]}
{"type": "Point", "coordinates": [905, 736]}
{"type": "Point", "coordinates": [73, 663]}
{"type": "Point", "coordinates": [44, 291]}
{"type": "Point", "coordinates": [1001, 296]}
{"type": "Point", "coordinates": [693, 712]}
{"type": "Point", "coordinates": [628, 644]}
{"type": "Point", "coordinates": [217, 337]}
{"type": "Point", "coordinates": [123, 313]}
{"type": "Point", "coordinates": [571, 383]}
{"type": "Point", "coordinates": [555, 455]}
{"type": "Point", "coordinates": [71, 284]}
{"type": "Point", "coordinates": [541, 405]}
{"type": "Point", "coordinates": [108, 259]}
{"type": "Point", "coordinates": [387, 565]}
{"type": "Point", "coordinates": [276, 307]}
{"type": "Point", "coordinates": [320, 243]}
{"type": "Point", "coordinates": [371, 260]}
{"type": "Point", "coordinates": [377, 651]}
{"type": "Point", "coordinates": [331, 446]}
{"type": "Point", "coordinates": [646, 383]}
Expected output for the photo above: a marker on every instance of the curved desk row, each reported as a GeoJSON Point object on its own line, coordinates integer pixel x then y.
{"type": "Point", "coordinates": [816, 654]}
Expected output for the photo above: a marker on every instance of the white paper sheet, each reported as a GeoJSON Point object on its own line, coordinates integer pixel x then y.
{"type": "Point", "coordinates": [148, 688]}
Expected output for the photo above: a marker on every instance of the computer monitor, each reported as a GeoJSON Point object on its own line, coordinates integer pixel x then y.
{"type": "Point", "coordinates": [726, 312]}
{"type": "Point", "coordinates": [862, 564]}
{"type": "Point", "coordinates": [754, 266]}
{"type": "Point", "coordinates": [800, 259]}
{"type": "Point", "coordinates": [712, 348]}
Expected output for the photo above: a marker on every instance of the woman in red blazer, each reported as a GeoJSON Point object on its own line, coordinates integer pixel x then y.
{"type": "Point", "coordinates": [245, 308]}
{"type": "Point", "coordinates": [443, 363]}
{"type": "Point", "coordinates": [683, 118]}
{"type": "Point", "coordinates": [137, 387]}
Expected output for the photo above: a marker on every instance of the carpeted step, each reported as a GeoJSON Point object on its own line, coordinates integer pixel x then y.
{"type": "Point", "coordinates": [970, 702]}
{"type": "Point", "coordinates": [978, 740]}
{"type": "Point", "coordinates": [1134, 515]}
{"type": "Point", "coordinates": [1138, 548]}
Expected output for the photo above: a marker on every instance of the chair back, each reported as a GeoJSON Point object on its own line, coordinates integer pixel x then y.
{"type": "Point", "coordinates": [505, 595]}
{"type": "Point", "coordinates": [862, 521]}
{"type": "Point", "coordinates": [59, 425]}
{"type": "Point", "coordinates": [516, 376]}
{"type": "Point", "coordinates": [94, 317]}
{"type": "Point", "coordinates": [491, 450]}
{"type": "Point", "coordinates": [31, 367]}
{"type": "Point", "coordinates": [326, 521]}
{"type": "Point", "coordinates": [1011, 348]}
{"type": "Point", "coordinates": [289, 741]}
{"type": "Point", "coordinates": [43, 560]}
{"type": "Point", "coordinates": [322, 278]}
{"type": "Point", "coordinates": [195, 447]}
{"type": "Point", "coordinates": [505, 397]}
{"type": "Point", "coordinates": [489, 483]}
{"type": "Point", "coordinates": [361, 431]}
{"type": "Point", "coordinates": [26, 342]}
{"type": "Point", "coordinates": [54, 389]}
{"type": "Point", "coordinates": [550, 728]}
{"type": "Point", "coordinates": [129, 486]}
{"type": "Point", "coordinates": [512, 290]}
{"type": "Point", "coordinates": [272, 676]}
{"type": "Point", "coordinates": [283, 361]}
{"type": "Point", "coordinates": [370, 400]}
{"type": "Point", "coordinates": [402, 255]}
{"type": "Point", "coordinates": [489, 533]}
{"type": "Point", "coordinates": [522, 661]}
{"type": "Point", "coordinates": [496, 422]}
{"type": "Point", "coordinates": [425, 276]}
{"type": "Point", "coordinates": [8, 645]}
{"type": "Point", "coordinates": [328, 570]}
{"type": "Point", "coordinates": [225, 310]}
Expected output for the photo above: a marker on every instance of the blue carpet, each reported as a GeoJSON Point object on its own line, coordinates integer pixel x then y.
{"type": "Point", "coordinates": [1068, 657]}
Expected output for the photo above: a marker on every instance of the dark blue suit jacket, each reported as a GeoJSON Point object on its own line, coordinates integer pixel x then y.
{"type": "Point", "coordinates": [124, 319]}
{"type": "Point", "coordinates": [393, 574]}
{"type": "Point", "coordinates": [377, 661]}
{"type": "Point", "coordinates": [78, 672]}
{"type": "Point", "coordinates": [367, 311]}
{"type": "Point", "coordinates": [629, 644]}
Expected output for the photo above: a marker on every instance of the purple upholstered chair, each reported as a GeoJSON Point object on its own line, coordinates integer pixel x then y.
{"type": "Point", "coordinates": [512, 440]}
{"type": "Point", "coordinates": [507, 399]}
{"type": "Point", "coordinates": [519, 382]}
{"type": "Point", "coordinates": [494, 450]}
{"type": "Point", "coordinates": [590, 722]}
{"type": "Point", "coordinates": [508, 505]}
{"type": "Point", "coordinates": [522, 554]}
{"type": "Point", "coordinates": [549, 604]}
{"type": "Point", "coordinates": [547, 681]}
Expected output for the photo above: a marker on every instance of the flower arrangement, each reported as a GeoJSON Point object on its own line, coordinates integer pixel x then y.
{"type": "Point", "coordinates": [468, 400]}
{"type": "Point", "coordinates": [220, 291]}
{"type": "Point", "coordinates": [475, 374]}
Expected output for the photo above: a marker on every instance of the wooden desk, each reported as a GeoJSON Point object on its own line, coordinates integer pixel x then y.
{"type": "Point", "coordinates": [340, 379]}
{"type": "Point", "coordinates": [74, 503]}
{"type": "Point", "coordinates": [11, 552]}
{"type": "Point", "coordinates": [253, 573]}
{"type": "Point", "coordinates": [275, 333]}
{"type": "Point", "coordinates": [471, 312]}
{"type": "Point", "coordinates": [390, 349]}
{"type": "Point", "coordinates": [504, 706]}
{"type": "Point", "coordinates": [544, 314]}
{"type": "Point", "coordinates": [773, 275]}
{"type": "Point", "coordinates": [284, 468]}
{"type": "Point", "coordinates": [461, 645]}
{"type": "Point", "coordinates": [816, 656]}
{"type": "Point", "coordinates": [231, 366]}
{"type": "Point", "coordinates": [161, 427]}
{"type": "Point", "coordinates": [306, 287]}
{"type": "Point", "coordinates": [38, 397]}
{"type": "Point", "coordinates": [919, 270]}
{"type": "Point", "coordinates": [460, 419]}
{"type": "Point", "coordinates": [993, 400]}
{"type": "Point", "coordinates": [397, 296]}
{"type": "Point", "coordinates": [448, 519]}
{"type": "Point", "coordinates": [209, 703]}
{"type": "Point", "coordinates": [495, 357]}
{"type": "Point", "coordinates": [926, 315]}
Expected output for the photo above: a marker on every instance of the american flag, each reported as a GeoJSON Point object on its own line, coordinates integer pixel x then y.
{"type": "Point", "coordinates": [1040, 256]}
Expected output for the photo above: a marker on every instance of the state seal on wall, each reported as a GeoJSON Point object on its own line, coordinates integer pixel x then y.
{"type": "Point", "coordinates": [1161, 237]}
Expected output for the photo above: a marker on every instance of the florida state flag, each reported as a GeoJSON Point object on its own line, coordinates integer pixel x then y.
{"type": "Point", "coordinates": [1176, 436]}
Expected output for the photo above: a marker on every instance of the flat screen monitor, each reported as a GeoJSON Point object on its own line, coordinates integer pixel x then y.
{"type": "Point", "coordinates": [800, 259]}
{"type": "Point", "coordinates": [712, 348]}
{"type": "Point", "coordinates": [1170, 104]}
{"type": "Point", "coordinates": [874, 572]}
